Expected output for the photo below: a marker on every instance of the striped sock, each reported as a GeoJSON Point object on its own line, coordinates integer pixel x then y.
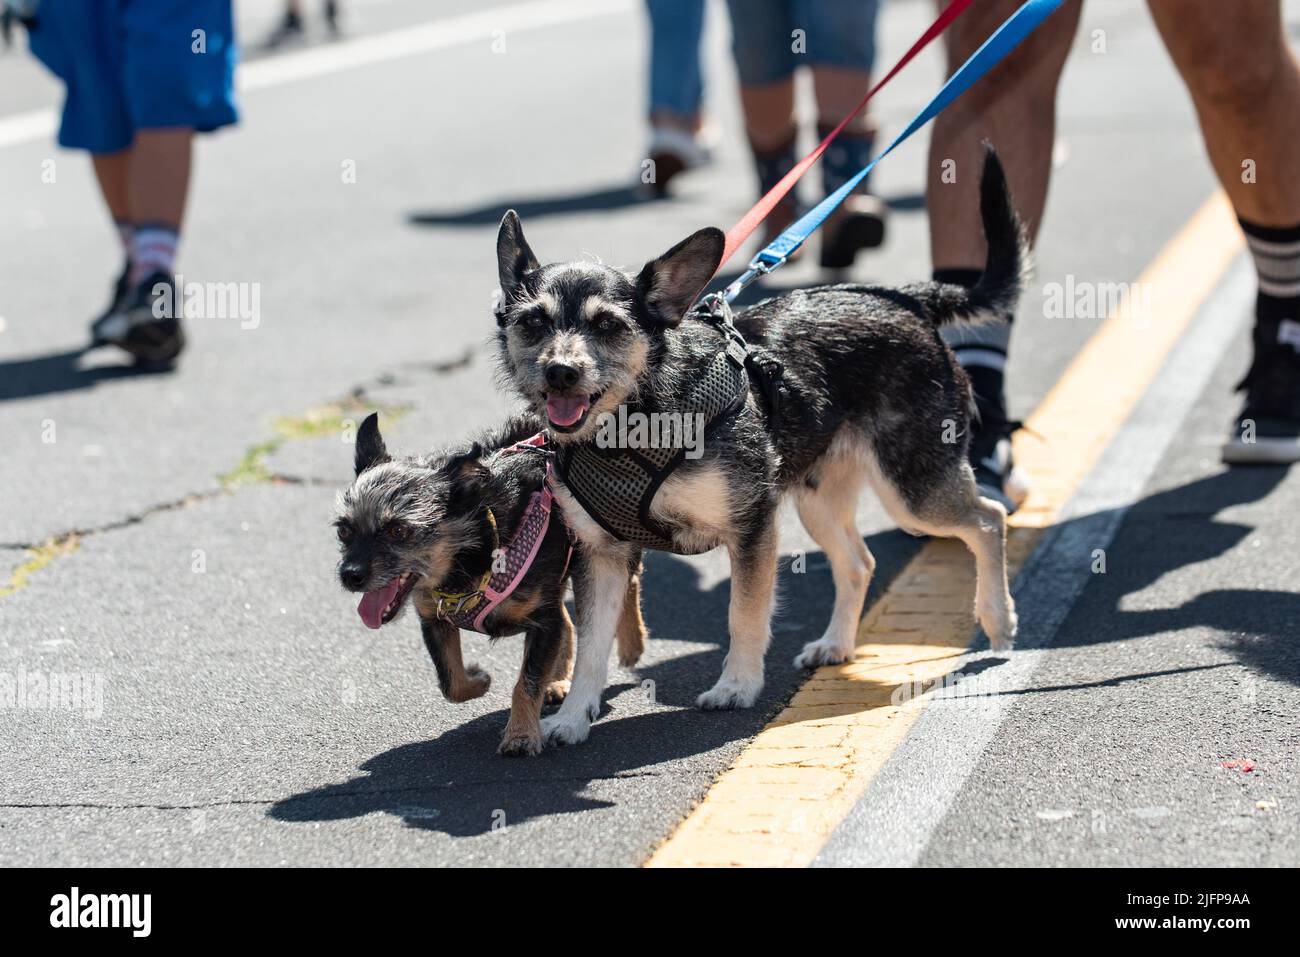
{"type": "Point", "coordinates": [981, 349]}
{"type": "Point", "coordinates": [153, 250]}
{"type": "Point", "coordinates": [1276, 251]}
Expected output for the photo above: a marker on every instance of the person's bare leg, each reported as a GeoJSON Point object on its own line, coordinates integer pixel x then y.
{"type": "Point", "coordinates": [772, 129]}
{"type": "Point", "coordinates": [1245, 85]}
{"type": "Point", "coordinates": [769, 113]}
{"type": "Point", "coordinates": [145, 322]}
{"type": "Point", "coordinates": [1246, 88]}
{"type": "Point", "coordinates": [838, 90]}
{"type": "Point", "coordinates": [111, 172]}
{"type": "Point", "coordinates": [1014, 108]}
{"type": "Point", "coordinates": [159, 177]}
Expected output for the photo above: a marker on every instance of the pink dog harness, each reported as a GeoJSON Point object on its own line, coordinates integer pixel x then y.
{"type": "Point", "coordinates": [510, 565]}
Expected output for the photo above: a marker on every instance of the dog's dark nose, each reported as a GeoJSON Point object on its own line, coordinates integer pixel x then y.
{"type": "Point", "coordinates": [560, 376]}
{"type": "Point", "coordinates": [353, 575]}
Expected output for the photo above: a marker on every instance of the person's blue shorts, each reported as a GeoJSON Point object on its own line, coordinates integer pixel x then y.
{"type": "Point", "coordinates": [835, 33]}
{"type": "Point", "coordinates": [138, 64]}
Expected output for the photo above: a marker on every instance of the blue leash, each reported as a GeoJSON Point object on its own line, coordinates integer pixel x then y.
{"type": "Point", "coordinates": [1005, 39]}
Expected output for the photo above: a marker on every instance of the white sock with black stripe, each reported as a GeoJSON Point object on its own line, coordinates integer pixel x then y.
{"type": "Point", "coordinates": [1276, 251]}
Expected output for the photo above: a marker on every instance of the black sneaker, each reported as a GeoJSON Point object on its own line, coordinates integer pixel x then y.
{"type": "Point", "coordinates": [121, 289]}
{"type": "Point", "coordinates": [1268, 430]}
{"type": "Point", "coordinates": [990, 456]}
{"type": "Point", "coordinates": [148, 323]}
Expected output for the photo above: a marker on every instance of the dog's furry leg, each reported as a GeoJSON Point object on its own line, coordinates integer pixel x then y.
{"type": "Point", "coordinates": [828, 513]}
{"type": "Point", "coordinates": [753, 593]}
{"type": "Point", "coordinates": [955, 509]}
{"type": "Point", "coordinates": [600, 582]}
{"type": "Point", "coordinates": [457, 682]}
{"type": "Point", "coordinates": [562, 670]}
{"type": "Point", "coordinates": [985, 533]}
{"type": "Point", "coordinates": [631, 627]}
{"type": "Point", "coordinates": [542, 646]}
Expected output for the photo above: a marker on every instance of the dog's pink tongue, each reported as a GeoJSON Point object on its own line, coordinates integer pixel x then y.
{"type": "Point", "coordinates": [373, 604]}
{"type": "Point", "coordinates": [565, 410]}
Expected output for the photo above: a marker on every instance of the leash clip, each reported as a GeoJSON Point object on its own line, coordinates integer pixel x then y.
{"type": "Point", "coordinates": [761, 265]}
{"type": "Point", "coordinates": [717, 311]}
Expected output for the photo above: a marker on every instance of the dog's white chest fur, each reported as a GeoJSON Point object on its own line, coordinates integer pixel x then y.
{"type": "Point", "coordinates": [696, 506]}
{"type": "Point", "coordinates": [585, 528]}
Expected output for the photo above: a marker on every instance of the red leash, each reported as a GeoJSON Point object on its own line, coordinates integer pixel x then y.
{"type": "Point", "coordinates": [738, 233]}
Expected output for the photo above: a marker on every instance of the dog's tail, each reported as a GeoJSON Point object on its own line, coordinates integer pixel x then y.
{"type": "Point", "coordinates": [1005, 270]}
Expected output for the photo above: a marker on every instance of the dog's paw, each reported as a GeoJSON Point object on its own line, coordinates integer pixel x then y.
{"type": "Point", "coordinates": [1002, 634]}
{"type": "Point", "coordinates": [563, 728]}
{"type": "Point", "coordinates": [730, 693]}
{"type": "Point", "coordinates": [824, 651]}
{"type": "Point", "coordinates": [1001, 629]}
{"type": "Point", "coordinates": [521, 745]}
{"type": "Point", "coordinates": [557, 691]}
{"type": "Point", "coordinates": [476, 684]}
{"type": "Point", "coordinates": [631, 647]}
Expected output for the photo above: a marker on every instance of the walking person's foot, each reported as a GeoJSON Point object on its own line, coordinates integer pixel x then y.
{"type": "Point", "coordinates": [147, 322]}
{"type": "Point", "coordinates": [121, 289]}
{"type": "Point", "coordinates": [1267, 432]}
{"type": "Point", "coordinates": [673, 150]}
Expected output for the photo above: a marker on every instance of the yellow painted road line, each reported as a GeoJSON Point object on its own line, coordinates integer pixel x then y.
{"type": "Point", "coordinates": [786, 792]}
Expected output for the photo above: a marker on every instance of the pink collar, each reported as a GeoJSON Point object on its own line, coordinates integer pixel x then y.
{"type": "Point", "coordinates": [510, 565]}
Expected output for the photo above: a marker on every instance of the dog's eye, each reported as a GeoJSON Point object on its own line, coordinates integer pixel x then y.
{"type": "Point", "coordinates": [397, 531]}
{"type": "Point", "coordinates": [607, 323]}
{"type": "Point", "coordinates": [534, 320]}
{"type": "Point", "coordinates": [345, 533]}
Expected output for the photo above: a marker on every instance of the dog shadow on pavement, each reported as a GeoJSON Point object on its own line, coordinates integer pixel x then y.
{"type": "Point", "coordinates": [1160, 534]}
{"type": "Point", "coordinates": [1177, 528]}
{"type": "Point", "coordinates": [456, 782]}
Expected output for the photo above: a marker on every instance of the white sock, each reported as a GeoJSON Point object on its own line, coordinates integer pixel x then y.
{"type": "Point", "coordinates": [153, 249]}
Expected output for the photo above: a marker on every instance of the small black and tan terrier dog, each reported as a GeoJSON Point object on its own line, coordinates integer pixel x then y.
{"type": "Point", "coordinates": [864, 394]}
{"type": "Point", "coordinates": [471, 538]}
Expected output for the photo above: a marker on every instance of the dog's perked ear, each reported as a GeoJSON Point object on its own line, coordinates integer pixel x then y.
{"type": "Point", "coordinates": [668, 285]}
{"type": "Point", "coordinates": [371, 450]}
{"type": "Point", "coordinates": [468, 477]}
{"type": "Point", "coordinates": [514, 257]}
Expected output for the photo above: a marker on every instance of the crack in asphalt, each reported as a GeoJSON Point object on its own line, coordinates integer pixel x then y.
{"type": "Point", "coordinates": [251, 469]}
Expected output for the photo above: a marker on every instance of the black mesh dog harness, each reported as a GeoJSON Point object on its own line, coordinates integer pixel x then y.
{"type": "Point", "coordinates": [616, 486]}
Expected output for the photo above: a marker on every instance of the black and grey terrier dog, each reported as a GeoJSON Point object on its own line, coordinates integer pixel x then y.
{"type": "Point", "coordinates": [463, 536]}
{"type": "Point", "coordinates": [869, 394]}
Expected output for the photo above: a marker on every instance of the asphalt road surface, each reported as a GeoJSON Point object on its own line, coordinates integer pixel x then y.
{"type": "Point", "coordinates": [247, 716]}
